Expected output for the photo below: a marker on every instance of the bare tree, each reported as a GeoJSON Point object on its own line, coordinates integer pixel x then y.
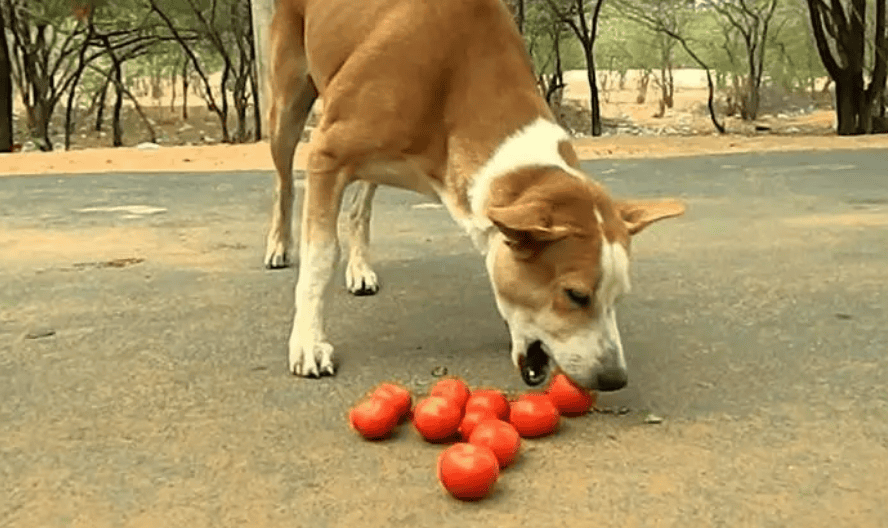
{"type": "Point", "coordinates": [230, 34]}
{"type": "Point", "coordinates": [519, 9]}
{"type": "Point", "coordinates": [221, 111]}
{"type": "Point", "coordinates": [543, 33]}
{"type": "Point", "coordinates": [582, 17]}
{"type": "Point", "coordinates": [86, 12]}
{"type": "Point", "coordinates": [666, 81]}
{"type": "Point", "coordinates": [662, 16]}
{"type": "Point", "coordinates": [751, 19]}
{"type": "Point", "coordinates": [43, 41]}
{"type": "Point", "coordinates": [841, 33]}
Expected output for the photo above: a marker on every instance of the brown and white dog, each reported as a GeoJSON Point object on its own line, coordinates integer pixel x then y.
{"type": "Point", "coordinates": [440, 97]}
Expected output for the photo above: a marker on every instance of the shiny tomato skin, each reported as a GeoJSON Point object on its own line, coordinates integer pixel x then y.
{"type": "Point", "coordinates": [501, 437]}
{"type": "Point", "coordinates": [436, 418]}
{"type": "Point", "coordinates": [490, 399]}
{"type": "Point", "coordinates": [467, 471]}
{"type": "Point", "coordinates": [373, 418]}
{"type": "Point", "coordinates": [570, 399]}
{"type": "Point", "coordinates": [399, 396]}
{"type": "Point", "coordinates": [471, 419]}
{"type": "Point", "coordinates": [453, 389]}
{"type": "Point", "coordinates": [534, 415]}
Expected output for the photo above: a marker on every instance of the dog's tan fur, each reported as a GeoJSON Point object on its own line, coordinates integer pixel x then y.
{"type": "Point", "coordinates": [426, 96]}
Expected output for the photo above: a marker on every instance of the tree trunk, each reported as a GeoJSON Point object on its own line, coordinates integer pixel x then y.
{"type": "Point", "coordinates": [253, 80]}
{"type": "Point", "coordinates": [41, 132]}
{"type": "Point", "coordinates": [521, 16]}
{"type": "Point", "coordinates": [100, 111]}
{"type": "Point", "coordinates": [5, 92]}
{"type": "Point", "coordinates": [594, 108]}
{"type": "Point", "coordinates": [173, 81]}
{"type": "Point", "coordinates": [851, 108]}
{"type": "Point", "coordinates": [72, 91]}
{"type": "Point", "coordinates": [643, 87]}
{"type": "Point", "coordinates": [223, 94]}
{"type": "Point", "coordinates": [667, 85]}
{"type": "Point", "coordinates": [257, 105]}
{"type": "Point", "coordinates": [116, 127]}
{"type": "Point", "coordinates": [261, 12]}
{"type": "Point", "coordinates": [711, 100]}
{"type": "Point", "coordinates": [753, 84]}
{"type": "Point", "coordinates": [185, 90]}
{"type": "Point", "coordinates": [554, 89]}
{"type": "Point", "coordinates": [854, 101]}
{"type": "Point", "coordinates": [711, 103]}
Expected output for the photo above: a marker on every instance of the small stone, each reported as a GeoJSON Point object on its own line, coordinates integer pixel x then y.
{"type": "Point", "coordinates": [653, 419]}
{"type": "Point", "coordinates": [439, 371]}
{"type": "Point", "coordinates": [147, 146]}
{"type": "Point", "coordinates": [39, 332]}
{"type": "Point", "coordinates": [623, 410]}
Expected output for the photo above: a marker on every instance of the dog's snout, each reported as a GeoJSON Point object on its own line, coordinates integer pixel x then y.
{"type": "Point", "coordinates": [612, 379]}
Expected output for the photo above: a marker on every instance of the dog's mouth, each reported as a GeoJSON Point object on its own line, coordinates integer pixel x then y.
{"type": "Point", "coordinates": [534, 364]}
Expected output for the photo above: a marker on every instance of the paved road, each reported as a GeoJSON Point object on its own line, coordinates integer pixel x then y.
{"type": "Point", "coordinates": [756, 329]}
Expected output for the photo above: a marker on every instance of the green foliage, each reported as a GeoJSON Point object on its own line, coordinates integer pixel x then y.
{"type": "Point", "coordinates": [791, 61]}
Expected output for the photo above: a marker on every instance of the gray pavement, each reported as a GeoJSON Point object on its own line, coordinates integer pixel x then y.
{"type": "Point", "coordinates": [756, 329]}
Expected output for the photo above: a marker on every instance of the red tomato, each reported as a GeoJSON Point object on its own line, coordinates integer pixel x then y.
{"type": "Point", "coordinates": [452, 389]}
{"type": "Point", "coordinates": [468, 471]}
{"type": "Point", "coordinates": [436, 418]}
{"type": "Point", "coordinates": [500, 437]}
{"type": "Point", "coordinates": [373, 418]}
{"type": "Point", "coordinates": [399, 397]}
{"type": "Point", "coordinates": [490, 399]}
{"type": "Point", "coordinates": [570, 399]}
{"type": "Point", "coordinates": [534, 415]}
{"type": "Point", "coordinates": [471, 419]}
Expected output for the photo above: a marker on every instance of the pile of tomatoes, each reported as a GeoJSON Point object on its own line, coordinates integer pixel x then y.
{"type": "Point", "coordinates": [483, 427]}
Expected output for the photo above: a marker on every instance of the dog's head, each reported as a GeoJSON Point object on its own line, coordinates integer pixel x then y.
{"type": "Point", "coordinates": [558, 266]}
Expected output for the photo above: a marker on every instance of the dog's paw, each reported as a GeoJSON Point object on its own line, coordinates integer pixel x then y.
{"type": "Point", "coordinates": [278, 254]}
{"type": "Point", "coordinates": [360, 279]}
{"type": "Point", "coordinates": [311, 360]}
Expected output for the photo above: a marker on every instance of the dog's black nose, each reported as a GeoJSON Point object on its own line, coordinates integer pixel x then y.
{"type": "Point", "coordinates": [612, 379]}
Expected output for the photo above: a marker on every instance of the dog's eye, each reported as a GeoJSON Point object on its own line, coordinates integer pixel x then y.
{"type": "Point", "coordinates": [583, 300]}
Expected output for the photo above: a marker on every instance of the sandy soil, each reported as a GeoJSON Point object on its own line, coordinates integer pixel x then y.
{"type": "Point", "coordinates": [209, 158]}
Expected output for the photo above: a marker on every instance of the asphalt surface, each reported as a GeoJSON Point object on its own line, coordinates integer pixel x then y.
{"type": "Point", "coordinates": [143, 375]}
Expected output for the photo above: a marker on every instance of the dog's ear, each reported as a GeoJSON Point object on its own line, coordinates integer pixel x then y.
{"type": "Point", "coordinates": [638, 214]}
{"type": "Point", "coordinates": [528, 226]}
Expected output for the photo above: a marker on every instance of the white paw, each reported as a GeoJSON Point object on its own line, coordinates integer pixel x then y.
{"type": "Point", "coordinates": [312, 359]}
{"type": "Point", "coordinates": [278, 254]}
{"type": "Point", "coordinates": [360, 279]}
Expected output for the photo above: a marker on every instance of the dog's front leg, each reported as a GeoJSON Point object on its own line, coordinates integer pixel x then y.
{"type": "Point", "coordinates": [310, 353]}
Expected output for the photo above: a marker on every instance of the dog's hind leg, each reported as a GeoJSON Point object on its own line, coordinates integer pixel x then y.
{"type": "Point", "coordinates": [292, 96]}
{"type": "Point", "coordinates": [360, 278]}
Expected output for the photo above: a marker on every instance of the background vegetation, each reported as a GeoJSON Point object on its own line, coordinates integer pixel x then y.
{"type": "Point", "coordinates": [83, 59]}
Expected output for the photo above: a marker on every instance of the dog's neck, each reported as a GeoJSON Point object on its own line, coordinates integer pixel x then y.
{"type": "Point", "coordinates": [540, 143]}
